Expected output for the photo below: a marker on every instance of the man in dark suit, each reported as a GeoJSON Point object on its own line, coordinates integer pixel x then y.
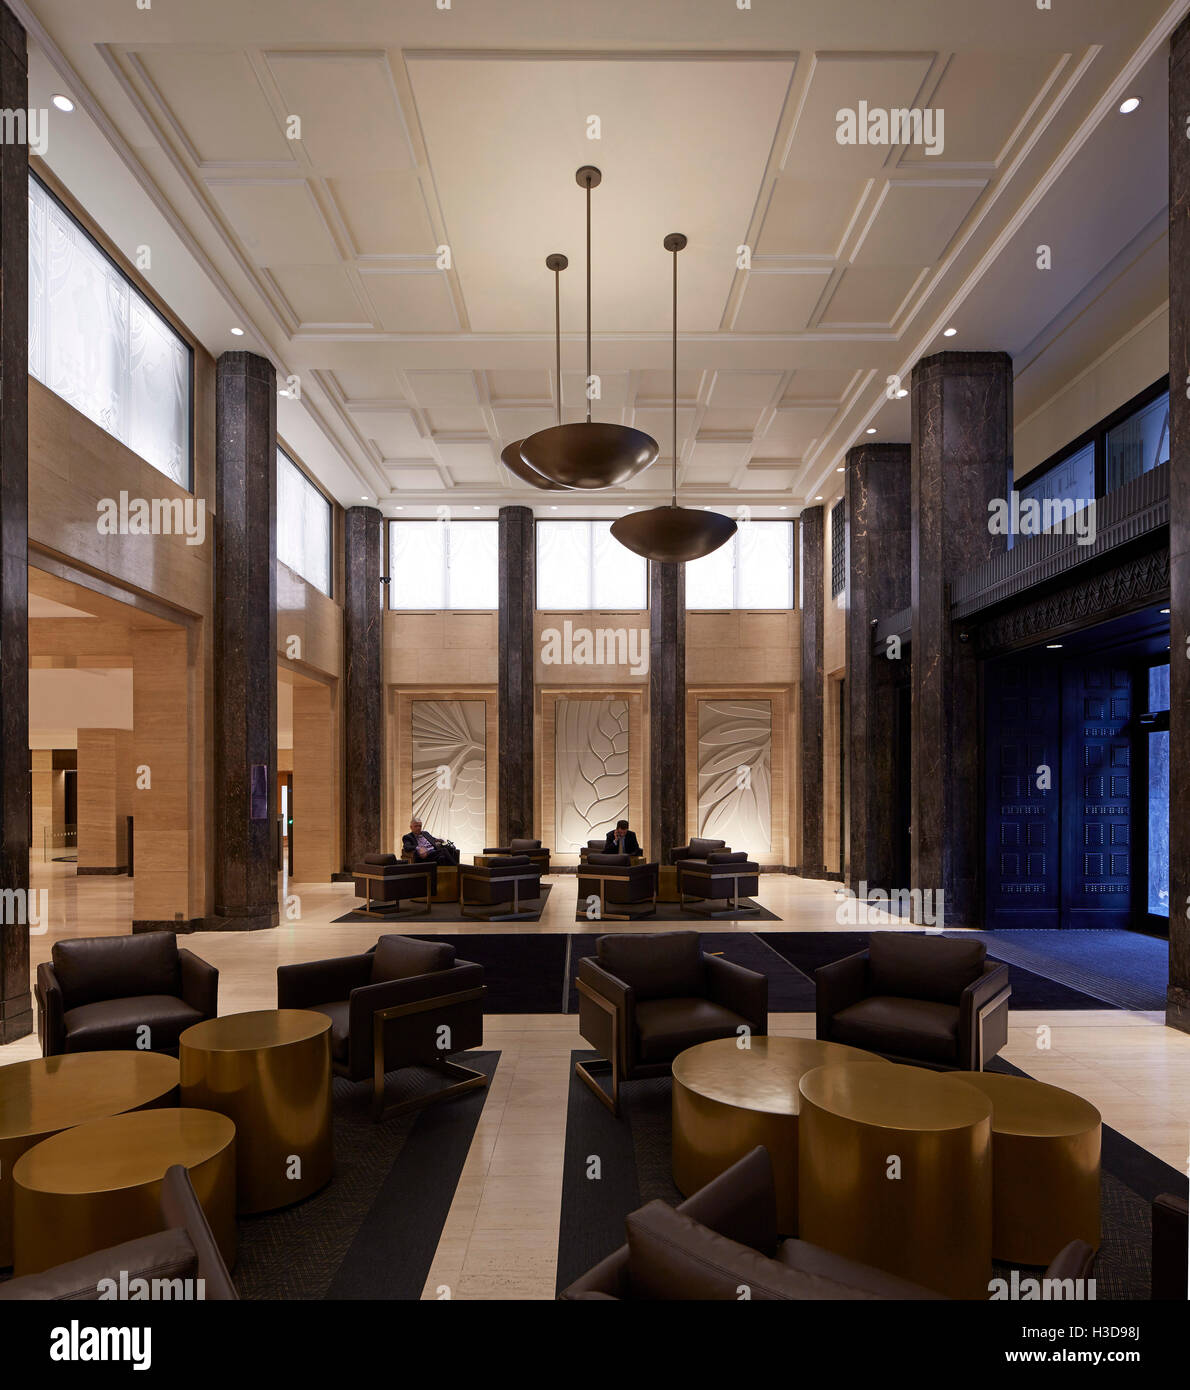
{"type": "Point", "coordinates": [621, 840]}
{"type": "Point", "coordinates": [427, 849]}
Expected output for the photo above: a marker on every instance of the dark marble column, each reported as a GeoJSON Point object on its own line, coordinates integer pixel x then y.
{"type": "Point", "coordinates": [16, 1017]}
{"type": "Point", "coordinates": [667, 710]}
{"type": "Point", "coordinates": [1177, 1012]}
{"type": "Point", "coordinates": [811, 863]}
{"type": "Point", "coordinates": [518, 595]}
{"type": "Point", "coordinates": [363, 684]}
{"type": "Point", "coordinates": [962, 459]}
{"type": "Point", "coordinates": [245, 642]}
{"type": "Point", "coordinates": [878, 559]}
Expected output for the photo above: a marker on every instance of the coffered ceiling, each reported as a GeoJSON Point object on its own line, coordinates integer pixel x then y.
{"type": "Point", "coordinates": [424, 131]}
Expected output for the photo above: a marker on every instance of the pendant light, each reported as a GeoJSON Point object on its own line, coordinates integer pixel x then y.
{"type": "Point", "coordinates": [510, 456]}
{"type": "Point", "coordinates": [673, 534]}
{"type": "Point", "coordinates": [591, 454]}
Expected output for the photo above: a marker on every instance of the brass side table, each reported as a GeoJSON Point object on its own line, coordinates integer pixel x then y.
{"type": "Point", "coordinates": [270, 1072]}
{"type": "Point", "coordinates": [895, 1170]}
{"type": "Point", "coordinates": [50, 1094]}
{"type": "Point", "coordinates": [728, 1099]}
{"type": "Point", "coordinates": [99, 1184]}
{"type": "Point", "coordinates": [1045, 1167]}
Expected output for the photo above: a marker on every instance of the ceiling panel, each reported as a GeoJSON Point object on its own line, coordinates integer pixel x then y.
{"type": "Point", "coordinates": [519, 386]}
{"type": "Point", "coordinates": [320, 294]}
{"type": "Point", "coordinates": [916, 221]}
{"type": "Point", "coordinates": [870, 294]}
{"type": "Point", "coordinates": [779, 301]}
{"type": "Point", "coordinates": [350, 118]}
{"type": "Point", "coordinates": [394, 432]}
{"type": "Point", "coordinates": [385, 213]}
{"type": "Point", "coordinates": [807, 217]}
{"type": "Point", "coordinates": [277, 220]}
{"type": "Point", "coordinates": [411, 301]}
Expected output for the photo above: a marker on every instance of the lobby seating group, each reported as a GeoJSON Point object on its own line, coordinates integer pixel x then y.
{"type": "Point", "coordinates": [538, 857]}
{"type": "Point", "coordinates": [722, 876]}
{"type": "Point", "coordinates": [387, 1007]}
{"type": "Point", "coordinates": [624, 886]}
{"type": "Point", "coordinates": [932, 1001]}
{"type": "Point", "coordinates": [646, 997]}
{"type": "Point", "coordinates": [102, 993]}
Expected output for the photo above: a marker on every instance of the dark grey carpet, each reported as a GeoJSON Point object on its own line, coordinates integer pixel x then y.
{"type": "Point", "coordinates": [372, 1231]}
{"type": "Point", "coordinates": [444, 912]}
{"type": "Point", "coordinates": [635, 1154]}
{"type": "Point", "coordinates": [1122, 968]}
{"type": "Point", "coordinates": [675, 912]}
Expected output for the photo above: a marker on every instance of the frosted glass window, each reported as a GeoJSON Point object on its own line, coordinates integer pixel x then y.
{"type": "Point", "coordinates": [96, 342]}
{"type": "Point", "coordinates": [303, 525]}
{"type": "Point", "coordinates": [1139, 444]}
{"type": "Point", "coordinates": [444, 564]}
{"type": "Point", "coordinates": [581, 565]}
{"type": "Point", "coordinates": [753, 570]}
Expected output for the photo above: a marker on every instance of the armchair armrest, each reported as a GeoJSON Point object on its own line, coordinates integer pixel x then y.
{"type": "Point", "coordinates": [496, 849]}
{"type": "Point", "coordinates": [321, 981]}
{"type": "Point", "coordinates": [1171, 1231]}
{"type": "Point", "coordinates": [744, 991]}
{"type": "Point", "coordinates": [741, 1203]}
{"type": "Point", "coordinates": [607, 1280]}
{"type": "Point", "coordinates": [837, 985]}
{"type": "Point", "coordinates": [367, 1000]}
{"type": "Point", "coordinates": [200, 983]}
{"type": "Point", "coordinates": [990, 992]}
{"type": "Point", "coordinates": [676, 851]}
{"type": "Point", "coordinates": [51, 1027]}
{"type": "Point", "coordinates": [595, 1022]}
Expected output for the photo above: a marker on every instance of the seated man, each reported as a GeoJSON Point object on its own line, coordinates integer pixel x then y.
{"type": "Point", "coordinates": [621, 840]}
{"type": "Point", "coordinates": [427, 848]}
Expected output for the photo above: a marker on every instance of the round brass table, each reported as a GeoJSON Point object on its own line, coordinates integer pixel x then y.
{"type": "Point", "coordinates": [270, 1072]}
{"type": "Point", "coordinates": [49, 1094]}
{"type": "Point", "coordinates": [1045, 1167]}
{"type": "Point", "coordinates": [895, 1170]}
{"type": "Point", "coordinates": [99, 1184]}
{"type": "Point", "coordinates": [728, 1099]}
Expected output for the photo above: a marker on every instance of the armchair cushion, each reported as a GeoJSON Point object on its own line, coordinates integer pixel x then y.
{"type": "Point", "coordinates": [611, 861]}
{"type": "Point", "coordinates": [163, 1255]}
{"type": "Point", "coordinates": [401, 957]}
{"type": "Point", "coordinates": [699, 849]}
{"type": "Point", "coordinates": [923, 967]}
{"type": "Point", "coordinates": [339, 1013]}
{"type": "Point", "coordinates": [901, 1027]}
{"type": "Point", "coordinates": [381, 859]}
{"type": "Point", "coordinates": [520, 846]}
{"type": "Point", "coordinates": [114, 1024]}
{"type": "Point", "coordinates": [666, 1027]}
{"type": "Point", "coordinates": [117, 967]}
{"type": "Point", "coordinates": [727, 856]}
{"type": "Point", "coordinates": [656, 965]}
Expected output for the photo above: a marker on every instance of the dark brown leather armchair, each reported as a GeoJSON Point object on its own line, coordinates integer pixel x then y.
{"type": "Point", "coordinates": [725, 1236]}
{"type": "Point", "coordinates": [1171, 1233]}
{"type": "Point", "coordinates": [385, 882]}
{"type": "Point", "coordinates": [98, 992]}
{"type": "Point", "coordinates": [697, 849]}
{"type": "Point", "coordinates": [392, 1007]}
{"type": "Point", "coordinates": [933, 1001]}
{"type": "Point", "coordinates": [538, 857]}
{"type": "Point", "coordinates": [615, 879]}
{"type": "Point", "coordinates": [723, 876]}
{"type": "Point", "coordinates": [646, 997]}
{"type": "Point", "coordinates": [510, 880]}
{"type": "Point", "coordinates": [596, 847]}
{"type": "Point", "coordinates": [180, 1255]}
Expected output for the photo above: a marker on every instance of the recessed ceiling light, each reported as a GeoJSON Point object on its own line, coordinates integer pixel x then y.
{"type": "Point", "coordinates": [553, 509]}
{"type": "Point", "coordinates": [237, 332]}
{"type": "Point", "coordinates": [902, 393]}
{"type": "Point", "coordinates": [475, 509]}
{"type": "Point", "coordinates": [818, 498]}
{"type": "Point", "coordinates": [399, 509]}
{"type": "Point", "coordinates": [364, 498]}
{"type": "Point", "coordinates": [949, 332]}
{"type": "Point", "coordinates": [1129, 105]}
{"type": "Point", "coordinates": [840, 470]}
{"type": "Point", "coordinates": [870, 430]}
{"type": "Point", "coordinates": [1052, 646]}
{"type": "Point", "coordinates": [1165, 610]}
{"type": "Point", "coordinates": [62, 103]}
{"type": "Point", "coordinates": [783, 509]}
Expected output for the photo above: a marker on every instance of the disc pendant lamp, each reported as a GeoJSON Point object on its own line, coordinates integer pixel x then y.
{"type": "Point", "coordinates": [674, 534]}
{"type": "Point", "coordinates": [510, 456]}
{"type": "Point", "coordinates": [589, 454]}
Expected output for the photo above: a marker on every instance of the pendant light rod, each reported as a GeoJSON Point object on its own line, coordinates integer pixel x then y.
{"type": "Point", "coordinates": [674, 243]}
{"type": "Point", "coordinates": [588, 177]}
{"type": "Point", "coordinates": [557, 263]}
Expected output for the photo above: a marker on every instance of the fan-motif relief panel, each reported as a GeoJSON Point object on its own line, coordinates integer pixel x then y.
{"type": "Point", "coordinates": [590, 770]}
{"type": "Point", "coordinates": [735, 748]}
{"type": "Point", "coordinates": [449, 745]}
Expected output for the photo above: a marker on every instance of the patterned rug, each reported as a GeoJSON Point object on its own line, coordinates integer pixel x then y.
{"type": "Point", "coordinates": [371, 1233]}
{"type": "Point", "coordinates": [635, 1169]}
